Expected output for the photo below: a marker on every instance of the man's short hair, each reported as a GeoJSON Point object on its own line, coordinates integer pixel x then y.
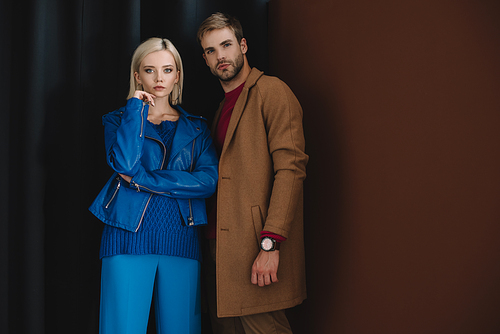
{"type": "Point", "coordinates": [220, 21]}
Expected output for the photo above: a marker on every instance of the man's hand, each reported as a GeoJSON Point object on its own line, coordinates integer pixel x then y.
{"type": "Point", "coordinates": [265, 268]}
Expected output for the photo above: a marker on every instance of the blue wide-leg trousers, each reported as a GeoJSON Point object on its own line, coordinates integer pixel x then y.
{"type": "Point", "coordinates": [128, 284]}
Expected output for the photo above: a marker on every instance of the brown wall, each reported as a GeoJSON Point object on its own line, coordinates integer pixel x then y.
{"type": "Point", "coordinates": [402, 120]}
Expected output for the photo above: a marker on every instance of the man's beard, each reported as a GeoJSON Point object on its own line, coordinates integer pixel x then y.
{"type": "Point", "coordinates": [229, 75]}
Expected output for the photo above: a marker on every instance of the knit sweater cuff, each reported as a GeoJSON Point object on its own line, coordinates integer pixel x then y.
{"type": "Point", "coordinates": [276, 237]}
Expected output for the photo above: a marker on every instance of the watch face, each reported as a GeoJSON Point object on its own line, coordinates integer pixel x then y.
{"type": "Point", "coordinates": [267, 244]}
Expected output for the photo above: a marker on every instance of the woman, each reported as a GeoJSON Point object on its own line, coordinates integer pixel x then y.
{"type": "Point", "coordinates": [165, 166]}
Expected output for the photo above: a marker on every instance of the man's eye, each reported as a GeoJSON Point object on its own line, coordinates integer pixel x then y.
{"type": "Point", "coordinates": [209, 52]}
{"type": "Point", "coordinates": [227, 44]}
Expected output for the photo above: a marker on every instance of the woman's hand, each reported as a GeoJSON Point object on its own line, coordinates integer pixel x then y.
{"type": "Point", "coordinates": [146, 97]}
{"type": "Point", "coordinates": [126, 177]}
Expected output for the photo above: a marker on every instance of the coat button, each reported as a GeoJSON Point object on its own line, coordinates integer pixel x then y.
{"type": "Point", "coordinates": [198, 129]}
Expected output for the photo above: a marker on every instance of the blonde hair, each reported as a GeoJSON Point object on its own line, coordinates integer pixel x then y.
{"type": "Point", "coordinates": [155, 44]}
{"type": "Point", "coordinates": [220, 21]}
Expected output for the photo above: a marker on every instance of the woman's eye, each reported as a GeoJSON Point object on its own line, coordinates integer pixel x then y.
{"type": "Point", "coordinates": [168, 70]}
{"type": "Point", "coordinates": [148, 70]}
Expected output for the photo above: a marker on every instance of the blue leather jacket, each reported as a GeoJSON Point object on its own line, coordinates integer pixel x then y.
{"type": "Point", "coordinates": [134, 148]}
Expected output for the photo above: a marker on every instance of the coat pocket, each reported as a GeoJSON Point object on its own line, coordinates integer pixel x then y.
{"type": "Point", "coordinates": [257, 222]}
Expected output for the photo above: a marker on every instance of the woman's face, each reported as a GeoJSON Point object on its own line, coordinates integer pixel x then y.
{"type": "Point", "coordinates": [158, 73]}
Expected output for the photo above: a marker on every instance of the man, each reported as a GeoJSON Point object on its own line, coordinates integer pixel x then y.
{"type": "Point", "coordinates": [258, 224]}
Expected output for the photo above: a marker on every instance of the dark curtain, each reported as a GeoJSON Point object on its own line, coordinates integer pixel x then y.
{"type": "Point", "coordinates": [64, 65]}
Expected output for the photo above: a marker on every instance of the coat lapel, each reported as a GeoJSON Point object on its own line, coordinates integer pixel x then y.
{"type": "Point", "coordinates": [239, 107]}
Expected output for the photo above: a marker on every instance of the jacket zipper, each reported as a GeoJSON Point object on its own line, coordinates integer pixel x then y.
{"type": "Point", "coordinates": [137, 186]}
{"type": "Point", "coordinates": [161, 167]}
{"type": "Point", "coordinates": [190, 218]}
{"type": "Point", "coordinates": [116, 191]}
{"type": "Point", "coordinates": [143, 212]}
{"type": "Point", "coordinates": [142, 119]}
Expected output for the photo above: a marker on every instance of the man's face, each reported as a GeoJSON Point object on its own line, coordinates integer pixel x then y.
{"type": "Point", "coordinates": [223, 54]}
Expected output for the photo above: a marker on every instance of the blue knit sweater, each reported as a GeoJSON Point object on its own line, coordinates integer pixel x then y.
{"type": "Point", "coordinates": [162, 230]}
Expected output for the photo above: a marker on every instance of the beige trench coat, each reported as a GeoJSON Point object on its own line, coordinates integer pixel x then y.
{"type": "Point", "coordinates": [261, 171]}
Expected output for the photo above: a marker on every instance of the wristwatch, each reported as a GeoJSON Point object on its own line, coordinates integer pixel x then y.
{"type": "Point", "coordinates": [268, 244]}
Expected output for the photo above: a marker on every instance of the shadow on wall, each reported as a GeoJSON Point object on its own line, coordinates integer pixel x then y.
{"type": "Point", "coordinates": [323, 229]}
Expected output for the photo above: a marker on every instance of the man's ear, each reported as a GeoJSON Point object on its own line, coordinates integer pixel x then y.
{"type": "Point", "coordinates": [243, 46]}
{"type": "Point", "coordinates": [205, 57]}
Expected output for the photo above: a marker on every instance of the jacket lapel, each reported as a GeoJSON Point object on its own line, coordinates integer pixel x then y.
{"type": "Point", "coordinates": [185, 133]}
{"type": "Point", "coordinates": [150, 132]}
